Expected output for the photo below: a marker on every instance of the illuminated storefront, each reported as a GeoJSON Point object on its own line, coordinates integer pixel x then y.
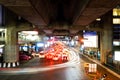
{"type": "Point", "coordinates": [29, 40]}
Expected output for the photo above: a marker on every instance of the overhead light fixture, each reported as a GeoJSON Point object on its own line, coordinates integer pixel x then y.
{"type": "Point", "coordinates": [98, 19]}
{"type": "Point", "coordinates": [30, 32]}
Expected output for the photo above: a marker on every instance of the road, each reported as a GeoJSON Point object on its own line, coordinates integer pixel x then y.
{"type": "Point", "coordinates": [38, 69]}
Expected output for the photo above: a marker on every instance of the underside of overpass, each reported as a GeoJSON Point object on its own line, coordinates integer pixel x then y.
{"type": "Point", "coordinates": [60, 16]}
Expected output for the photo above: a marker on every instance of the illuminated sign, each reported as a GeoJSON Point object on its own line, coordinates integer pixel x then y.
{"type": "Point", "coordinates": [117, 55]}
{"type": "Point", "coordinates": [90, 39]}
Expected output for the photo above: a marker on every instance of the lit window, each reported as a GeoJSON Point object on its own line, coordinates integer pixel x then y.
{"type": "Point", "coordinates": [116, 20]}
{"type": "Point", "coordinates": [116, 12]}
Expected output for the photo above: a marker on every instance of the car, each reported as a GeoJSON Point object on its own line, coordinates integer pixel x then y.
{"type": "Point", "coordinates": [23, 57]}
{"type": "Point", "coordinates": [56, 57]}
{"type": "Point", "coordinates": [33, 54]}
{"type": "Point", "coordinates": [25, 53]}
{"type": "Point", "coordinates": [48, 56]}
{"type": "Point", "coordinates": [41, 54]}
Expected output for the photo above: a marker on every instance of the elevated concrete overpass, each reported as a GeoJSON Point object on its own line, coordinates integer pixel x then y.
{"type": "Point", "coordinates": [48, 16]}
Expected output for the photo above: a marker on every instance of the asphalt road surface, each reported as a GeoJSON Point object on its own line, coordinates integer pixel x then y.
{"type": "Point", "coordinates": [39, 69]}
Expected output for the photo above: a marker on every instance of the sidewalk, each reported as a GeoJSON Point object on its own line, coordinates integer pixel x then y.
{"type": "Point", "coordinates": [105, 68]}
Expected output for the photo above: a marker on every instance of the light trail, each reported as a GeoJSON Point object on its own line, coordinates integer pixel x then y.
{"type": "Point", "coordinates": [74, 59]}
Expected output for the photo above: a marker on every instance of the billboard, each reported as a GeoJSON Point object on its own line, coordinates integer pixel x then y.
{"type": "Point", "coordinates": [90, 39]}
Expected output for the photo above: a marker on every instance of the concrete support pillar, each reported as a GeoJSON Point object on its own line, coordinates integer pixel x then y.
{"type": "Point", "coordinates": [106, 38]}
{"type": "Point", "coordinates": [11, 52]}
